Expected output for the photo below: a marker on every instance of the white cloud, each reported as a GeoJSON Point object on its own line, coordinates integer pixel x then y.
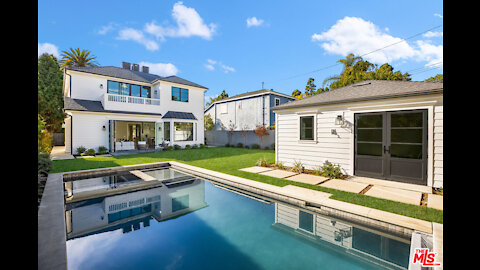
{"type": "Point", "coordinates": [438, 15]}
{"type": "Point", "coordinates": [253, 21]}
{"type": "Point", "coordinates": [357, 36]}
{"type": "Point", "coordinates": [138, 36]}
{"type": "Point", "coordinates": [48, 48]}
{"type": "Point", "coordinates": [189, 23]}
{"type": "Point", "coordinates": [430, 34]}
{"type": "Point", "coordinates": [212, 63]}
{"type": "Point", "coordinates": [105, 29]}
{"type": "Point", "coordinates": [161, 69]}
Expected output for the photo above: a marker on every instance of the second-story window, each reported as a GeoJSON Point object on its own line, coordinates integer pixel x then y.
{"type": "Point", "coordinates": [126, 89]}
{"type": "Point", "coordinates": [179, 94]}
{"type": "Point", "coordinates": [113, 87]}
{"type": "Point", "coordinates": [135, 90]}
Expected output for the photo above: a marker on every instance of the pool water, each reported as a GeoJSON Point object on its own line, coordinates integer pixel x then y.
{"type": "Point", "coordinates": [196, 225]}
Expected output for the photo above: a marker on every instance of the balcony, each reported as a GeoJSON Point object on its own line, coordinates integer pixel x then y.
{"type": "Point", "coordinates": [116, 102]}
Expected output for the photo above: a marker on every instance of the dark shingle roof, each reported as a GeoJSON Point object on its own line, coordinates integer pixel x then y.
{"type": "Point", "coordinates": [133, 75]}
{"type": "Point", "coordinates": [367, 90]}
{"type": "Point", "coordinates": [92, 106]}
{"type": "Point", "coordinates": [179, 115]}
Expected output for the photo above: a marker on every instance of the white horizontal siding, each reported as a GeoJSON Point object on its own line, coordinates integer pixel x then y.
{"type": "Point", "coordinates": [438, 146]}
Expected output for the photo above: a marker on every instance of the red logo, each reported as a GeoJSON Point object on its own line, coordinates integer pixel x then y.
{"type": "Point", "coordinates": [424, 257]}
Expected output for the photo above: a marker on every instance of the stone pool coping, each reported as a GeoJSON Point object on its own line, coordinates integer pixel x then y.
{"type": "Point", "coordinates": [52, 252]}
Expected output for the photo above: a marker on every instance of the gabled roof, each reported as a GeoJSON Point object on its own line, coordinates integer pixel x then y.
{"type": "Point", "coordinates": [250, 94]}
{"type": "Point", "coordinates": [179, 115]}
{"type": "Point", "coordinates": [138, 76]}
{"type": "Point", "coordinates": [72, 104]}
{"type": "Point", "coordinates": [366, 90]}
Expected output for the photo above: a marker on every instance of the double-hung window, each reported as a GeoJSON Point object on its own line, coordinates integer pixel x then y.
{"type": "Point", "coordinates": [179, 94]}
{"type": "Point", "coordinates": [307, 128]}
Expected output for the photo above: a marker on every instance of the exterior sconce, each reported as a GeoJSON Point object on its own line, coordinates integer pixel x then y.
{"type": "Point", "coordinates": [103, 128]}
{"type": "Point", "coordinates": [334, 132]}
{"type": "Point", "coordinates": [101, 86]}
{"type": "Point", "coordinates": [339, 121]}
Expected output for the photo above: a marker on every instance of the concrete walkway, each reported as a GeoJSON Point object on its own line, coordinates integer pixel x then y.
{"type": "Point", "coordinates": [58, 153]}
{"type": "Point", "coordinates": [389, 190]}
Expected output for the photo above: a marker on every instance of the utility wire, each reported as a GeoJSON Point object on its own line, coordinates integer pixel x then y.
{"type": "Point", "coordinates": [327, 67]}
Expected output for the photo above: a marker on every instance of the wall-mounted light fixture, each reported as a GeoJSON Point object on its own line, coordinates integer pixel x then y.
{"type": "Point", "coordinates": [339, 121]}
{"type": "Point", "coordinates": [101, 86]}
{"type": "Point", "coordinates": [333, 131]}
{"type": "Point", "coordinates": [104, 128]}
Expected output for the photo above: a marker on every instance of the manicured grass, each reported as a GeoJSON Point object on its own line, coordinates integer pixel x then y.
{"type": "Point", "coordinates": [229, 160]}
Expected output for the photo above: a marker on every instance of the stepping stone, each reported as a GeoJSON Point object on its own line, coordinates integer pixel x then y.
{"type": "Point", "coordinates": [256, 169]}
{"type": "Point", "coordinates": [344, 185]}
{"type": "Point", "coordinates": [307, 178]}
{"type": "Point", "coordinates": [278, 173]}
{"type": "Point", "coordinates": [395, 194]}
{"type": "Point", "coordinates": [435, 201]}
{"type": "Point", "coordinates": [392, 184]}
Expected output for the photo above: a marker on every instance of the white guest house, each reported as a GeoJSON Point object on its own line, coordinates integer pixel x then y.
{"type": "Point", "coordinates": [123, 108]}
{"type": "Point", "coordinates": [389, 130]}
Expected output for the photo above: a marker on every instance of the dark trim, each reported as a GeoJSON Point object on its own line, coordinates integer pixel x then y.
{"type": "Point", "coordinates": [123, 112]}
{"type": "Point", "coordinates": [422, 93]}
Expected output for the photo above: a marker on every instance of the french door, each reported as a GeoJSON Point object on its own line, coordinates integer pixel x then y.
{"type": "Point", "coordinates": [392, 145]}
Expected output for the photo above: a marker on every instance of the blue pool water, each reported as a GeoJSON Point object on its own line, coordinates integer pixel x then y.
{"type": "Point", "coordinates": [196, 225]}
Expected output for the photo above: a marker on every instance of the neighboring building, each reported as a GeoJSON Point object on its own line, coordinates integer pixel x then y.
{"type": "Point", "coordinates": [126, 109]}
{"type": "Point", "coordinates": [247, 110]}
{"type": "Point", "coordinates": [382, 129]}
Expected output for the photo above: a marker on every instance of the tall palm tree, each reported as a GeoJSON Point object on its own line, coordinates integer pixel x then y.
{"type": "Point", "coordinates": [77, 58]}
{"type": "Point", "coordinates": [348, 63]}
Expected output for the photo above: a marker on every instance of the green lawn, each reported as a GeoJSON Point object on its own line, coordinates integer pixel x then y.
{"type": "Point", "coordinates": [229, 160]}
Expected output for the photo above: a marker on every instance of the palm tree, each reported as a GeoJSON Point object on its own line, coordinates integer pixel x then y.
{"type": "Point", "coordinates": [77, 58]}
{"type": "Point", "coordinates": [348, 63]}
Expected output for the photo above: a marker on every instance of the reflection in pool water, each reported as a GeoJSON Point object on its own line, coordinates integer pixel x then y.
{"type": "Point", "coordinates": [195, 225]}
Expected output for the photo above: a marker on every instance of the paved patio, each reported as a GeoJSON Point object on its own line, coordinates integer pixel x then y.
{"type": "Point", "coordinates": [390, 190]}
{"type": "Point", "coordinates": [58, 153]}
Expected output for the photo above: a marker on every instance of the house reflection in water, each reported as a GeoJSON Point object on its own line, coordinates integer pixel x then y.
{"type": "Point", "coordinates": [386, 250]}
{"type": "Point", "coordinates": [133, 210]}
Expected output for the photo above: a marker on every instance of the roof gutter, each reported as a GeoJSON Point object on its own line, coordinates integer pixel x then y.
{"type": "Point", "coordinates": [429, 92]}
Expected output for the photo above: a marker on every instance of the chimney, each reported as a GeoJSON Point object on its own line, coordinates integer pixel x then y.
{"type": "Point", "coordinates": [145, 69]}
{"type": "Point", "coordinates": [135, 67]}
{"type": "Point", "coordinates": [125, 65]}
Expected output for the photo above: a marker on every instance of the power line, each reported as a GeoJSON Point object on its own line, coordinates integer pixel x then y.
{"type": "Point", "coordinates": [327, 67]}
{"type": "Point", "coordinates": [426, 66]}
{"type": "Point", "coordinates": [425, 70]}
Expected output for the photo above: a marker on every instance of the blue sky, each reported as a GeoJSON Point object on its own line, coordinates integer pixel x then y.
{"type": "Point", "coordinates": [237, 45]}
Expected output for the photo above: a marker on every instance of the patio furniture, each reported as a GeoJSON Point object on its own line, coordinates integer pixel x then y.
{"type": "Point", "coordinates": [142, 145]}
{"type": "Point", "coordinates": [125, 145]}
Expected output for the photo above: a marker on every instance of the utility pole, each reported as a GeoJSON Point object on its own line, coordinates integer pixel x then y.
{"type": "Point", "coordinates": [262, 85]}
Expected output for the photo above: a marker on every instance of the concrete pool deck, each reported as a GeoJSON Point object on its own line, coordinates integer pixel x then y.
{"type": "Point", "coordinates": [51, 214]}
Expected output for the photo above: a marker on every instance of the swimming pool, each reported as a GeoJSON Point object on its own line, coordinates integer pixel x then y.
{"type": "Point", "coordinates": [190, 223]}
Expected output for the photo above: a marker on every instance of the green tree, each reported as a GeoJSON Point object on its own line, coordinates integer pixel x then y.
{"type": "Point", "coordinates": [217, 98]}
{"type": "Point", "coordinates": [310, 88]}
{"type": "Point", "coordinates": [209, 125]}
{"type": "Point", "coordinates": [50, 96]}
{"type": "Point", "coordinates": [77, 58]}
{"type": "Point", "coordinates": [436, 78]}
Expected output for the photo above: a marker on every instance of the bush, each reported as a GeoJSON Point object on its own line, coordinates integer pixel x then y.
{"type": "Point", "coordinates": [187, 146]}
{"type": "Point", "coordinates": [102, 150]}
{"type": "Point", "coordinates": [280, 165]}
{"type": "Point", "coordinates": [44, 163]}
{"type": "Point", "coordinates": [177, 147]}
{"type": "Point", "coordinates": [298, 167]}
{"type": "Point", "coordinates": [246, 146]}
{"type": "Point", "coordinates": [227, 145]}
{"type": "Point", "coordinates": [330, 170]}
{"type": "Point", "coordinates": [262, 162]}
{"type": "Point", "coordinates": [80, 150]}
{"type": "Point", "coordinates": [170, 148]}
{"type": "Point", "coordinates": [273, 146]}
{"type": "Point", "coordinates": [240, 145]}
{"type": "Point", "coordinates": [90, 152]}
{"type": "Point", "coordinates": [46, 142]}
{"type": "Point", "coordinates": [194, 146]}
{"type": "Point", "coordinates": [255, 146]}
{"type": "Point", "coordinates": [267, 148]}
{"type": "Point", "coordinates": [202, 145]}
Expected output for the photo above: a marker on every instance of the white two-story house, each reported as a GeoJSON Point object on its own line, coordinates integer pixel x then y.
{"type": "Point", "coordinates": [123, 108]}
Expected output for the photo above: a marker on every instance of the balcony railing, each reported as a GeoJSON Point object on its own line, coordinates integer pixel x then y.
{"type": "Point", "coordinates": [132, 100]}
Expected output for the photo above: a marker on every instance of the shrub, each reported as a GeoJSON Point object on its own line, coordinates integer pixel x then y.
{"type": "Point", "coordinates": [330, 170]}
{"type": "Point", "coordinates": [177, 147]}
{"type": "Point", "coordinates": [80, 150]}
{"type": "Point", "coordinates": [170, 148]}
{"type": "Point", "coordinates": [90, 152]}
{"type": "Point", "coordinates": [227, 145]}
{"type": "Point", "coordinates": [262, 162]}
{"type": "Point", "coordinates": [298, 167]}
{"type": "Point", "coordinates": [267, 148]}
{"type": "Point", "coordinates": [194, 146]}
{"type": "Point", "coordinates": [187, 146]}
{"type": "Point", "coordinates": [255, 146]}
{"type": "Point", "coordinates": [202, 145]}
{"type": "Point", "coordinates": [240, 145]}
{"type": "Point", "coordinates": [280, 165]}
{"type": "Point", "coordinates": [46, 142]}
{"type": "Point", "coordinates": [246, 146]}
{"type": "Point", "coordinates": [273, 145]}
{"type": "Point", "coordinates": [102, 150]}
{"type": "Point", "coordinates": [44, 163]}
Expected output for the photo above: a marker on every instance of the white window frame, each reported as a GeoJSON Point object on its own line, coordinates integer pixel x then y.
{"type": "Point", "coordinates": [314, 141]}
